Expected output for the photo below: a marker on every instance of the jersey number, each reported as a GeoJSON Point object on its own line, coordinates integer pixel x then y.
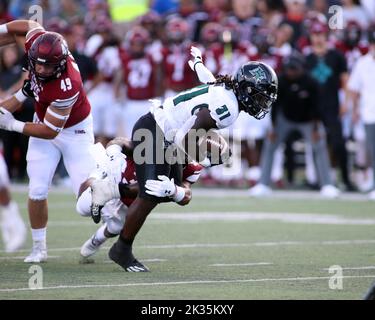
{"type": "Point", "coordinates": [66, 84]}
{"type": "Point", "coordinates": [223, 112]}
{"type": "Point", "coordinates": [188, 95]}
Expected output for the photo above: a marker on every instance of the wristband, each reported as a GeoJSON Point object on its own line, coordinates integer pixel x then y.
{"type": "Point", "coordinates": [3, 28]}
{"type": "Point", "coordinates": [20, 96]}
{"type": "Point", "coordinates": [179, 195]}
{"type": "Point", "coordinates": [18, 126]}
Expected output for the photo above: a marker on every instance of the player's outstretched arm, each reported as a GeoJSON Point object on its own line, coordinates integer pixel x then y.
{"type": "Point", "coordinates": [204, 75]}
{"type": "Point", "coordinates": [16, 31]}
{"type": "Point", "coordinates": [52, 124]}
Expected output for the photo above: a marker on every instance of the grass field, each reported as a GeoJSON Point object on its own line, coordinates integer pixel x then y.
{"type": "Point", "coordinates": [224, 245]}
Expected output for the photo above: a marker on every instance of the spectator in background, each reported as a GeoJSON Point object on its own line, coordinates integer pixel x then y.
{"type": "Point", "coordinates": [296, 109]}
{"type": "Point", "coordinates": [295, 15]}
{"type": "Point", "coordinates": [5, 15]}
{"type": "Point", "coordinates": [329, 68]}
{"type": "Point", "coordinates": [353, 11]}
{"type": "Point", "coordinates": [271, 12]}
{"type": "Point", "coordinates": [244, 14]}
{"type": "Point", "coordinates": [361, 85]}
{"type": "Point", "coordinates": [15, 144]}
{"type": "Point", "coordinates": [50, 9]}
{"type": "Point", "coordinates": [164, 7]}
{"type": "Point", "coordinates": [70, 8]}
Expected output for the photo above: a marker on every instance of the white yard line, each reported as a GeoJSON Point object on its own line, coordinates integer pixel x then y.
{"type": "Point", "coordinates": [200, 192]}
{"type": "Point", "coordinates": [228, 245]}
{"type": "Point", "coordinates": [304, 218]}
{"type": "Point", "coordinates": [239, 216]}
{"type": "Point", "coordinates": [247, 264]}
{"type": "Point", "coordinates": [355, 268]}
{"type": "Point", "coordinates": [23, 257]}
{"type": "Point", "coordinates": [176, 283]}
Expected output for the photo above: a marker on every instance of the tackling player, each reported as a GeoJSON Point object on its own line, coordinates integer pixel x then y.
{"type": "Point", "coordinates": [62, 123]}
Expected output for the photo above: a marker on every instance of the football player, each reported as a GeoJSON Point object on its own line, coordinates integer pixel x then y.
{"type": "Point", "coordinates": [169, 130]}
{"type": "Point", "coordinates": [114, 212]}
{"type": "Point", "coordinates": [13, 228]}
{"type": "Point", "coordinates": [62, 125]}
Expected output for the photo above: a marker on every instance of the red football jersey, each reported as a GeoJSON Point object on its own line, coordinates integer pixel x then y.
{"type": "Point", "coordinates": [139, 77]}
{"type": "Point", "coordinates": [178, 75]}
{"type": "Point", "coordinates": [63, 92]}
{"type": "Point", "coordinates": [128, 176]}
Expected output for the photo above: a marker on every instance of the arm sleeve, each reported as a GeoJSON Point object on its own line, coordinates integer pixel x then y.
{"type": "Point", "coordinates": [204, 75]}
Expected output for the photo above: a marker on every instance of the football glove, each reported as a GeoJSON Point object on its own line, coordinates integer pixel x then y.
{"type": "Point", "coordinates": [164, 187]}
{"type": "Point", "coordinates": [26, 89]}
{"type": "Point", "coordinates": [197, 57]}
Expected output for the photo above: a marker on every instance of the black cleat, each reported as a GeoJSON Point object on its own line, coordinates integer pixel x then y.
{"type": "Point", "coordinates": [136, 266]}
{"type": "Point", "coordinates": [121, 254]}
{"type": "Point", "coordinates": [96, 212]}
{"type": "Point", "coordinates": [370, 295]}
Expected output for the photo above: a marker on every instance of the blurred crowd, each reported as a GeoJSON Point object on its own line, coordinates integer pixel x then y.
{"type": "Point", "coordinates": [131, 51]}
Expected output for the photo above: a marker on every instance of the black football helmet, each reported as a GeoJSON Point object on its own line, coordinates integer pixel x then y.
{"type": "Point", "coordinates": [255, 86]}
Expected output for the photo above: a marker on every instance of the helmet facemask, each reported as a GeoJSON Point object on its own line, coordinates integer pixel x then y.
{"type": "Point", "coordinates": [256, 102]}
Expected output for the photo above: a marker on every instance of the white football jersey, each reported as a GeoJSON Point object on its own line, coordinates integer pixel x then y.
{"type": "Point", "coordinates": [178, 110]}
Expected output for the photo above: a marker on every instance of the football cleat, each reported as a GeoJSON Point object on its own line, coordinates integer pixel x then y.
{"type": "Point", "coordinates": [90, 247]}
{"type": "Point", "coordinates": [125, 258]}
{"type": "Point", "coordinates": [38, 253]}
{"type": "Point", "coordinates": [96, 212]}
{"type": "Point", "coordinates": [13, 229]}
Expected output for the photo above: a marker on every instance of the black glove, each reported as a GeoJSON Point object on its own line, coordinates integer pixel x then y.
{"type": "Point", "coordinates": [26, 89]}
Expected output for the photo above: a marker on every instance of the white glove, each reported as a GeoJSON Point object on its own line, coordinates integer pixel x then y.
{"type": "Point", "coordinates": [7, 120]}
{"type": "Point", "coordinates": [113, 151]}
{"type": "Point", "coordinates": [197, 57]}
{"type": "Point", "coordinates": [164, 187]}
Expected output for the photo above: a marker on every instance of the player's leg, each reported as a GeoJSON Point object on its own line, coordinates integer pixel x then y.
{"type": "Point", "coordinates": [147, 137]}
{"type": "Point", "coordinates": [12, 226]}
{"type": "Point", "coordinates": [113, 216]}
{"type": "Point", "coordinates": [42, 159]}
{"type": "Point", "coordinates": [75, 143]}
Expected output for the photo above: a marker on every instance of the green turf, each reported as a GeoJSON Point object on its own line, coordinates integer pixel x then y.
{"type": "Point", "coordinates": [186, 272]}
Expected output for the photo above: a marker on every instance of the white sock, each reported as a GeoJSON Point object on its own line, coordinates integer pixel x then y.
{"type": "Point", "coordinates": [99, 234]}
{"type": "Point", "coordinates": [40, 236]}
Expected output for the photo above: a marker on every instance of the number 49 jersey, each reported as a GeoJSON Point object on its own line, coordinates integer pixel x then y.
{"type": "Point", "coordinates": [178, 110]}
{"type": "Point", "coordinates": [63, 92]}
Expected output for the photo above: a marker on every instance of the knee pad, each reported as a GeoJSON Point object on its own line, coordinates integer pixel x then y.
{"type": "Point", "coordinates": [38, 193]}
{"type": "Point", "coordinates": [84, 203]}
